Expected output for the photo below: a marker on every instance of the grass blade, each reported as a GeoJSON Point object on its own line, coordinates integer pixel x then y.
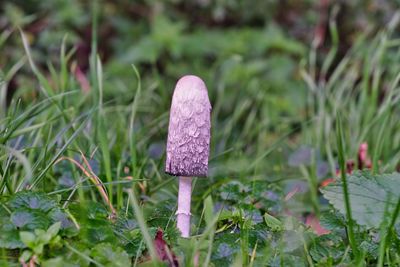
{"type": "Point", "coordinates": [343, 176]}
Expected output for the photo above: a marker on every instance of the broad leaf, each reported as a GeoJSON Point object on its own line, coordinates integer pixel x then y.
{"type": "Point", "coordinates": [32, 200]}
{"type": "Point", "coordinates": [371, 196]}
{"type": "Point", "coordinates": [30, 219]}
{"type": "Point", "coordinates": [53, 229]}
{"type": "Point", "coordinates": [28, 238]}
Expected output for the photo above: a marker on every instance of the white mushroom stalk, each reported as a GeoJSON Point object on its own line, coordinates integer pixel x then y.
{"type": "Point", "coordinates": [188, 142]}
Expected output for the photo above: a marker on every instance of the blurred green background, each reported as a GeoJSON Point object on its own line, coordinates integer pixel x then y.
{"type": "Point", "coordinates": [277, 73]}
{"type": "Point", "coordinates": [250, 48]}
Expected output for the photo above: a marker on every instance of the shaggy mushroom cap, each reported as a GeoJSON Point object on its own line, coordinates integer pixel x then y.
{"type": "Point", "coordinates": [188, 142]}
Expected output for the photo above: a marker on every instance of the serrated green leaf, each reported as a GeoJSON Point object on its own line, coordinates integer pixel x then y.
{"type": "Point", "coordinates": [32, 200]}
{"type": "Point", "coordinates": [327, 248]}
{"type": "Point", "coordinates": [226, 245]}
{"type": "Point", "coordinates": [97, 231]}
{"type": "Point", "coordinates": [370, 196]}
{"type": "Point", "coordinates": [370, 248]}
{"type": "Point", "coordinates": [30, 219]}
{"type": "Point", "coordinates": [89, 210]}
{"type": "Point", "coordinates": [332, 220]}
{"type": "Point", "coordinates": [233, 190]}
{"type": "Point", "coordinates": [160, 215]}
{"type": "Point", "coordinates": [133, 242]}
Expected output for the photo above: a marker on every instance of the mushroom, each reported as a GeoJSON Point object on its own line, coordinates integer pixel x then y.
{"type": "Point", "coordinates": [188, 142]}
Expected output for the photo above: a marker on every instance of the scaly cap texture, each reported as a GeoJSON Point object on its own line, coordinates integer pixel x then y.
{"type": "Point", "coordinates": [188, 142]}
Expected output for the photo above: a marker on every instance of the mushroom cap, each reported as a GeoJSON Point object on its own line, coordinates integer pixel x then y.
{"type": "Point", "coordinates": [188, 144]}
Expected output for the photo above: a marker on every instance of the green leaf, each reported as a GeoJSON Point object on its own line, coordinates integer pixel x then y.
{"type": "Point", "coordinates": [67, 227]}
{"type": "Point", "coordinates": [38, 249]}
{"type": "Point", "coordinates": [53, 230]}
{"type": "Point", "coordinates": [225, 246]}
{"type": "Point", "coordinates": [109, 255]}
{"type": "Point", "coordinates": [32, 200]}
{"type": "Point", "coordinates": [370, 196]}
{"type": "Point", "coordinates": [39, 232]}
{"type": "Point", "coordinates": [28, 238]}
{"type": "Point", "coordinates": [30, 219]}
{"type": "Point", "coordinates": [332, 220]}
{"type": "Point", "coordinates": [55, 241]}
{"type": "Point", "coordinates": [327, 248]}
{"type": "Point", "coordinates": [370, 248]}
{"type": "Point", "coordinates": [234, 191]}
{"type": "Point", "coordinates": [9, 237]}
{"type": "Point", "coordinates": [160, 215]}
{"type": "Point", "coordinates": [273, 223]}
{"type": "Point", "coordinates": [97, 231]}
{"type": "Point", "coordinates": [43, 237]}
{"type": "Point", "coordinates": [129, 236]}
{"type": "Point", "coordinates": [89, 210]}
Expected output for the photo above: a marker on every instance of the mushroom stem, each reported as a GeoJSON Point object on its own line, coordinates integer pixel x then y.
{"type": "Point", "coordinates": [183, 212]}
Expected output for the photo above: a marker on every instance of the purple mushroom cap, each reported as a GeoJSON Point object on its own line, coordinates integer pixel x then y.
{"type": "Point", "coordinates": [188, 142]}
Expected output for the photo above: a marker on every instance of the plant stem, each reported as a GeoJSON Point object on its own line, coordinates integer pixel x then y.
{"type": "Point", "coordinates": [343, 170]}
{"type": "Point", "coordinates": [183, 212]}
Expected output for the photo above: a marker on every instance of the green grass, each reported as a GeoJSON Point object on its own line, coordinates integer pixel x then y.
{"type": "Point", "coordinates": [99, 155]}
